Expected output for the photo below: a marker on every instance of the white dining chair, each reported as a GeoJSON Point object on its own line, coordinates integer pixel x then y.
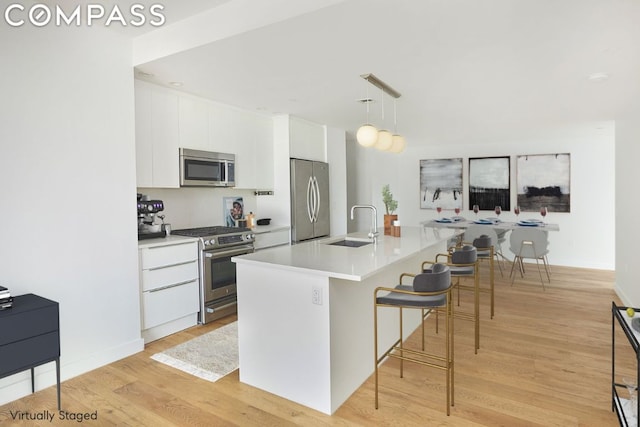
{"type": "Point", "coordinates": [529, 243]}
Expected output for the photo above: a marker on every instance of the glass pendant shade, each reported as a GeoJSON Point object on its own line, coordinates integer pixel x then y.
{"type": "Point", "coordinates": [398, 144]}
{"type": "Point", "coordinates": [367, 135]}
{"type": "Point", "coordinates": [384, 140]}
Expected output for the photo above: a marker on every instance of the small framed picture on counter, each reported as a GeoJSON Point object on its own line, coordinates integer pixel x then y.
{"type": "Point", "coordinates": [233, 209]}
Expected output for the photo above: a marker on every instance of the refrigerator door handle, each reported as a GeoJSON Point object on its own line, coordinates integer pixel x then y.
{"type": "Point", "coordinates": [317, 198]}
{"type": "Point", "coordinates": [309, 196]}
{"type": "Point", "coordinates": [314, 199]}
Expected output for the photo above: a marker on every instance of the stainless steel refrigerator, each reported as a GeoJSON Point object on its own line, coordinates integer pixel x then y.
{"type": "Point", "coordinates": [309, 199]}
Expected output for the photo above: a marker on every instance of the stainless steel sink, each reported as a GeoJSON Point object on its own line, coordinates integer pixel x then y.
{"type": "Point", "coordinates": [350, 243]}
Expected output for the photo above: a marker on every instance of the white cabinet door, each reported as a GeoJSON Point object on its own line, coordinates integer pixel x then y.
{"type": "Point", "coordinates": [271, 238]}
{"type": "Point", "coordinates": [169, 304]}
{"type": "Point", "coordinates": [194, 123]}
{"type": "Point", "coordinates": [222, 128]}
{"type": "Point", "coordinates": [263, 153]}
{"type": "Point", "coordinates": [166, 139]}
{"type": "Point", "coordinates": [244, 150]}
{"type": "Point", "coordinates": [306, 140]}
{"type": "Point", "coordinates": [144, 140]}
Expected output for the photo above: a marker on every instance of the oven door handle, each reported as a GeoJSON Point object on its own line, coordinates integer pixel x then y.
{"type": "Point", "coordinates": [214, 309]}
{"type": "Point", "coordinates": [230, 252]}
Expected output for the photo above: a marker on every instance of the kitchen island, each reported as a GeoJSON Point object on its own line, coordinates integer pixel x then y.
{"type": "Point", "coordinates": [305, 312]}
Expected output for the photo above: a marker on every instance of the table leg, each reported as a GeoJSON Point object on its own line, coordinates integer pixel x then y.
{"type": "Point", "coordinates": [58, 381]}
{"type": "Point", "coordinates": [33, 384]}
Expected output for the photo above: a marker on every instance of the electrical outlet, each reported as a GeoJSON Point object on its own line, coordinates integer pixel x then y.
{"type": "Point", "coordinates": [316, 295]}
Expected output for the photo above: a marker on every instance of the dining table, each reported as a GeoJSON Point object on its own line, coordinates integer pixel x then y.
{"type": "Point", "coordinates": [493, 222]}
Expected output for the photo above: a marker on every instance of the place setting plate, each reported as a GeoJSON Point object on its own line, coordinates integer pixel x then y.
{"type": "Point", "coordinates": [530, 223]}
{"type": "Point", "coordinates": [444, 220]}
{"type": "Point", "coordinates": [483, 221]}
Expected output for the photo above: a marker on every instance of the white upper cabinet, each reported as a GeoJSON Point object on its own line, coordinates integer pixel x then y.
{"type": "Point", "coordinates": [167, 120]}
{"type": "Point", "coordinates": [222, 125]}
{"type": "Point", "coordinates": [306, 140]}
{"type": "Point", "coordinates": [144, 141]}
{"type": "Point", "coordinates": [157, 137]}
{"type": "Point", "coordinates": [194, 123]}
{"type": "Point", "coordinates": [166, 137]}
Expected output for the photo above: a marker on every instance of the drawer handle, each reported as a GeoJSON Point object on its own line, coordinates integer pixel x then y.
{"type": "Point", "coordinates": [172, 265]}
{"type": "Point", "coordinates": [172, 286]}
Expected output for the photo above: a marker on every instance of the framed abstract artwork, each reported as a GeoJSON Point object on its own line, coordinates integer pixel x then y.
{"type": "Point", "coordinates": [544, 180]}
{"type": "Point", "coordinates": [441, 183]}
{"type": "Point", "coordinates": [489, 183]}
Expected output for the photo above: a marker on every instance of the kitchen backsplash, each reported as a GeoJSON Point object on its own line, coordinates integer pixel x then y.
{"type": "Point", "coordinates": [197, 207]}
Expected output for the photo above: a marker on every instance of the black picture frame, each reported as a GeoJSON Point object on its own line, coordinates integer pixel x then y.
{"type": "Point", "coordinates": [490, 182]}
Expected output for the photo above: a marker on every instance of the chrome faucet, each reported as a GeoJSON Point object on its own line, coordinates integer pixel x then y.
{"type": "Point", "coordinates": [374, 219]}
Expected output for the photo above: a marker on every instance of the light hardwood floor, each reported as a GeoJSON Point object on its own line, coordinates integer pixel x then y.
{"type": "Point", "coordinates": [545, 360]}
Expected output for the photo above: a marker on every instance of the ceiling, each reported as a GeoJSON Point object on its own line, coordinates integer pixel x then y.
{"type": "Point", "coordinates": [468, 71]}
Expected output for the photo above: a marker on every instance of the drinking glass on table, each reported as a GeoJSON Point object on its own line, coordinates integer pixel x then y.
{"type": "Point", "coordinates": [476, 209]}
{"type": "Point", "coordinates": [498, 210]}
{"type": "Point", "coordinates": [439, 209]}
{"type": "Point", "coordinates": [543, 212]}
{"type": "Point", "coordinates": [457, 210]}
{"type": "Point", "coordinates": [516, 211]}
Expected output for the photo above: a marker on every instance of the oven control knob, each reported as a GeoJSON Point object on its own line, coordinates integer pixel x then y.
{"type": "Point", "coordinates": [212, 241]}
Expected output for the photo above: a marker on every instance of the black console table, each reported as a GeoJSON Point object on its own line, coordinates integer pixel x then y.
{"type": "Point", "coordinates": [30, 336]}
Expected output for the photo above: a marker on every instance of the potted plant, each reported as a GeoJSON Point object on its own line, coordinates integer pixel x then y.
{"type": "Point", "coordinates": [390, 206]}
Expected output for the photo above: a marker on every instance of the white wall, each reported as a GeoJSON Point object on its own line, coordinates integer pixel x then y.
{"type": "Point", "coordinates": [627, 206]}
{"type": "Point", "coordinates": [67, 200]}
{"type": "Point", "coordinates": [198, 207]}
{"type": "Point", "coordinates": [337, 159]}
{"type": "Point", "coordinates": [587, 234]}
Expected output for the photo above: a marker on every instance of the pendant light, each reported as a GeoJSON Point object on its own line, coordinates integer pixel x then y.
{"type": "Point", "coordinates": [367, 134]}
{"type": "Point", "coordinates": [385, 139]}
{"type": "Point", "coordinates": [398, 142]}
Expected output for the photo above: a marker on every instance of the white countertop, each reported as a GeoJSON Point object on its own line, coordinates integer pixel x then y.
{"type": "Point", "coordinates": [164, 241]}
{"type": "Point", "coordinates": [259, 229]}
{"type": "Point", "coordinates": [317, 257]}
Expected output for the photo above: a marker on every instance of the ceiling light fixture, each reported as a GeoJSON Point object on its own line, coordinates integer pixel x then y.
{"type": "Point", "coordinates": [368, 135]}
{"type": "Point", "coordinates": [398, 142]}
{"type": "Point", "coordinates": [385, 139]}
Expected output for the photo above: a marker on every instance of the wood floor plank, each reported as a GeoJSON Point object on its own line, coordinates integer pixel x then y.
{"type": "Point", "coordinates": [544, 360]}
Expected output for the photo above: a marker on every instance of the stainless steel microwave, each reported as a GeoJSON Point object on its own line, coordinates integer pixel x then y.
{"type": "Point", "coordinates": [206, 169]}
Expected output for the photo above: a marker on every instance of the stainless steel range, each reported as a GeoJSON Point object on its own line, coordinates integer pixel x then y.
{"type": "Point", "coordinates": [217, 271]}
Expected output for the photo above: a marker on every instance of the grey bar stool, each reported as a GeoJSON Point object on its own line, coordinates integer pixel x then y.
{"type": "Point", "coordinates": [463, 263]}
{"type": "Point", "coordinates": [430, 290]}
{"type": "Point", "coordinates": [486, 252]}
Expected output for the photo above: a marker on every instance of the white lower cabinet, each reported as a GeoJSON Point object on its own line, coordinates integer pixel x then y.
{"type": "Point", "coordinates": [169, 286]}
{"type": "Point", "coordinates": [271, 237]}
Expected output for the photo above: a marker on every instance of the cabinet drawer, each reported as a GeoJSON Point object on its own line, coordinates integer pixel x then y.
{"type": "Point", "coordinates": [28, 324]}
{"type": "Point", "coordinates": [273, 238]}
{"type": "Point", "coordinates": [160, 256]}
{"type": "Point", "coordinates": [169, 304]}
{"type": "Point", "coordinates": [24, 354]}
{"type": "Point", "coordinates": [157, 278]}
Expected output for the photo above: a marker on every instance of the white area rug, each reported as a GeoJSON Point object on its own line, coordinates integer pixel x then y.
{"type": "Point", "coordinates": [210, 356]}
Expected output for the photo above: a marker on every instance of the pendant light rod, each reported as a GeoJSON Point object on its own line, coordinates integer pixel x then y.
{"type": "Point", "coordinates": [381, 85]}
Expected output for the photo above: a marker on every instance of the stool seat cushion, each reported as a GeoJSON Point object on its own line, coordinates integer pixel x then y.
{"type": "Point", "coordinates": [484, 254]}
{"type": "Point", "coordinates": [436, 279]}
{"type": "Point", "coordinates": [409, 300]}
{"type": "Point", "coordinates": [462, 271]}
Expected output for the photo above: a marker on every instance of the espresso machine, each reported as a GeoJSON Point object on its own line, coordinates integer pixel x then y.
{"type": "Point", "coordinates": [147, 212]}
